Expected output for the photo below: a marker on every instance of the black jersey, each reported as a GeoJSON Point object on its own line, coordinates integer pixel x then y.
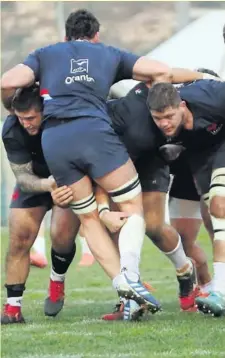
{"type": "Point", "coordinates": [22, 148]}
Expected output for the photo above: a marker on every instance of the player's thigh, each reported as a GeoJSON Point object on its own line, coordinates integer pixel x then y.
{"type": "Point", "coordinates": [154, 208]}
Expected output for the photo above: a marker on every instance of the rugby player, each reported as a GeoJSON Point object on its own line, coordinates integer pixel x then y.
{"type": "Point", "coordinates": [31, 200]}
{"type": "Point", "coordinates": [194, 116]}
{"type": "Point", "coordinates": [75, 77]}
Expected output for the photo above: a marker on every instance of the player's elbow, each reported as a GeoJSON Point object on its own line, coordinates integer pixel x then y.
{"type": "Point", "coordinates": [7, 81]}
{"type": "Point", "coordinates": [146, 69]}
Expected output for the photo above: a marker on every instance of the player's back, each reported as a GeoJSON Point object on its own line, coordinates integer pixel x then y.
{"type": "Point", "coordinates": [132, 121]}
{"type": "Point", "coordinates": [75, 76]}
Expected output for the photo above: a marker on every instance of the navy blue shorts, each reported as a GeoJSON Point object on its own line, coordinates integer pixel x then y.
{"type": "Point", "coordinates": [74, 148]}
{"type": "Point", "coordinates": [22, 200]}
{"type": "Point", "coordinates": [183, 186]}
{"type": "Point", "coordinates": [204, 163]}
{"type": "Point", "coordinates": [154, 173]}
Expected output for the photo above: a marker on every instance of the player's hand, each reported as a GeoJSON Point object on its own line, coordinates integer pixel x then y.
{"type": "Point", "coordinates": [114, 220]}
{"type": "Point", "coordinates": [62, 196]}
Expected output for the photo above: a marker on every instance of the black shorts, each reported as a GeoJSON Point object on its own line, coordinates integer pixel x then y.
{"type": "Point", "coordinates": [154, 173]}
{"type": "Point", "coordinates": [204, 163]}
{"type": "Point", "coordinates": [74, 148]}
{"type": "Point", "coordinates": [22, 200]}
{"type": "Point", "coordinates": [183, 186]}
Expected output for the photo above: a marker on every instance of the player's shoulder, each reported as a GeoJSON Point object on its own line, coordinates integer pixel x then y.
{"type": "Point", "coordinates": [10, 127]}
{"type": "Point", "coordinates": [139, 91]}
{"type": "Point", "coordinates": [203, 90]}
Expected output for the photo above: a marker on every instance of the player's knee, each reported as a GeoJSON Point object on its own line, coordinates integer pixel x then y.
{"type": "Point", "coordinates": [154, 231]}
{"type": "Point", "coordinates": [217, 207]}
{"type": "Point", "coordinates": [21, 242]}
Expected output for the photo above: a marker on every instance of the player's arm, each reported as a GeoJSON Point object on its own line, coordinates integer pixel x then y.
{"type": "Point", "coordinates": [152, 71]}
{"type": "Point", "coordinates": [28, 181]}
{"type": "Point", "coordinates": [113, 220]}
{"type": "Point", "coordinates": [22, 75]}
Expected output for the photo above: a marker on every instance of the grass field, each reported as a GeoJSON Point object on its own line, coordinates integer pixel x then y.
{"type": "Point", "coordinates": [78, 331]}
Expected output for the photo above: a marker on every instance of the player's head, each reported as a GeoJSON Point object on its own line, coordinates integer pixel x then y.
{"type": "Point", "coordinates": [28, 105]}
{"type": "Point", "coordinates": [82, 24]}
{"type": "Point", "coordinates": [167, 108]}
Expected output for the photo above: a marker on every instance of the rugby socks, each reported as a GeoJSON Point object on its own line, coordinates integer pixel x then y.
{"type": "Point", "coordinates": [61, 263]}
{"type": "Point", "coordinates": [179, 259]}
{"type": "Point", "coordinates": [15, 294]}
{"type": "Point", "coordinates": [219, 277]}
{"type": "Point", "coordinates": [130, 244]}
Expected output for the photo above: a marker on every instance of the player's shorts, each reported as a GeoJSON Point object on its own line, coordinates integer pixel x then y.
{"type": "Point", "coordinates": [154, 173]}
{"type": "Point", "coordinates": [74, 148]}
{"type": "Point", "coordinates": [204, 163]}
{"type": "Point", "coordinates": [183, 186]}
{"type": "Point", "coordinates": [22, 200]}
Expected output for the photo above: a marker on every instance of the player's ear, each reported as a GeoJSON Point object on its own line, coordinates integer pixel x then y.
{"type": "Point", "coordinates": [183, 104]}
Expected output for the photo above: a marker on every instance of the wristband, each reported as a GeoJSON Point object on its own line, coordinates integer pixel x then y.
{"type": "Point", "coordinates": [102, 208]}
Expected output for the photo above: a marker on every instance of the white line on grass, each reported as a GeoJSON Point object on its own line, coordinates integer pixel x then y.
{"type": "Point", "coordinates": [100, 289]}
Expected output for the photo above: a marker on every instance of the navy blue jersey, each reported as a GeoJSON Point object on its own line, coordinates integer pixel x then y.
{"type": "Point", "coordinates": [206, 101]}
{"type": "Point", "coordinates": [75, 77]}
{"type": "Point", "coordinates": [132, 121]}
{"type": "Point", "coordinates": [22, 148]}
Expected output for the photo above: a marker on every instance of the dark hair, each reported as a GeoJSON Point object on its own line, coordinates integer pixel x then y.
{"type": "Point", "coordinates": [27, 98]}
{"type": "Point", "coordinates": [161, 96]}
{"type": "Point", "coordinates": [206, 70]}
{"type": "Point", "coordinates": [81, 24]}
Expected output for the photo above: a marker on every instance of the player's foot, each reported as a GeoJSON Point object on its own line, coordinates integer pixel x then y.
{"type": "Point", "coordinates": [55, 301]}
{"type": "Point", "coordinates": [116, 315]}
{"type": "Point", "coordinates": [213, 304]}
{"type": "Point", "coordinates": [133, 311]}
{"type": "Point", "coordinates": [136, 291]}
{"type": "Point", "coordinates": [86, 260]}
{"type": "Point", "coordinates": [188, 289]}
{"type": "Point", "coordinates": [12, 314]}
{"type": "Point", "coordinates": [38, 260]}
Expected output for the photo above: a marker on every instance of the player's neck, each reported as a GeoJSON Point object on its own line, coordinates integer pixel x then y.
{"type": "Point", "coordinates": [188, 119]}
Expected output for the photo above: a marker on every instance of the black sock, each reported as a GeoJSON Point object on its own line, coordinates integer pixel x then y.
{"type": "Point", "coordinates": [61, 262]}
{"type": "Point", "coordinates": [15, 290]}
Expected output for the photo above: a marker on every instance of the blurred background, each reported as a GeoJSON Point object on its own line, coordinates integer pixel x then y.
{"type": "Point", "coordinates": [157, 28]}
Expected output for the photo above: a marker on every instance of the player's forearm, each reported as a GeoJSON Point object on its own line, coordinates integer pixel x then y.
{"type": "Point", "coordinates": [180, 75]}
{"type": "Point", "coordinates": [32, 183]}
{"type": "Point", "coordinates": [102, 199]}
{"type": "Point", "coordinates": [28, 181]}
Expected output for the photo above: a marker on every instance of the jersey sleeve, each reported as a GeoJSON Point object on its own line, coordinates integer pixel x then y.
{"type": "Point", "coordinates": [126, 64]}
{"type": "Point", "coordinates": [33, 61]}
{"type": "Point", "coordinates": [15, 149]}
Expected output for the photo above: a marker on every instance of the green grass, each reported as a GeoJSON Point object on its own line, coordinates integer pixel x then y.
{"type": "Point", "coordinates": [78, 332]}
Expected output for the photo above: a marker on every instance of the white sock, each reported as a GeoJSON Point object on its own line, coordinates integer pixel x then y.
{"type": "Point", "coordinates": [14, 301]}
{"type": "Point", "coordinates": [39, 245]}
{"type": "Point", "coordinates": [57, 277]}
{"type": "Point", "coordinates": [207, 287]}
{"type": "Point", "coordinates": [178, 256]}
{"type": "Point", "coordinates": [130, 244]}
{"type": "Point", "coordinates": [84, 246]}
{"type": "Point", "coordinates": [219, 277]}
